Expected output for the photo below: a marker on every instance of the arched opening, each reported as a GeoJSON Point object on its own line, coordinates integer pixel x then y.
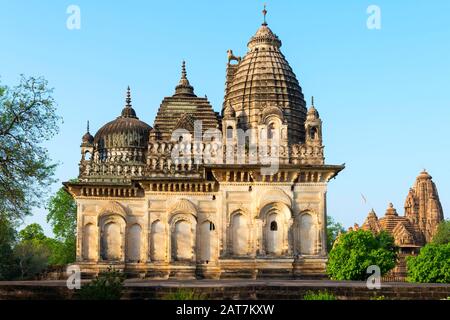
{"type": "Point", "coordinates": [112, 242]}
{"type": "Point", "coordinates": [240, 234]}
{"type": "Point", "coordinates": [313, 133]}
{"type": "Point", "coordinates": [134, 243]}
{"type": "Point", "coordinates": [307, 232]}
{"type": "Point", "coordinates": [89, 245]}
{"type": "Point", "coordinates": [273, 226]}
{"type": "Point", "coordinates": [182, 241]}
{"type": "Point", "coordinates": [274, 238]}
{"type": "Point", "coordinates": [229, 132]}
{"type": "Point", "coordinates": [207, 240]}
{"type": "Point", "coordinates": [87, 156]}
{"type": "Point", "coordinates": [270, 130]}
{"type": "Point", "coordinates": [158, 242]}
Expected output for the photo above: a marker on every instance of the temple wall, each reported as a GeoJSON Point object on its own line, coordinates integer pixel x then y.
{"type": "Point", "coordinates": [270, 226]}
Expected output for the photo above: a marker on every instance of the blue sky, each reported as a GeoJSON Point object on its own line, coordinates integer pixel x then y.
{"type": "Point", "coordinates": [384, 95]}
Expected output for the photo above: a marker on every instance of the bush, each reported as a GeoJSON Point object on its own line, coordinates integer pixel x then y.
{"type": "Point", "coordinates": [355, 251]}
{"type": "Point", "coordinates": [184, 294]}
{"type": "Point", "coordinates": [442, 235]}
{"type": "Point", "coordinates": [432, 265]}
{"type": "Point", "coordinates": [319, 295]}
{"type": "Point", "coordinates": [108, 285]}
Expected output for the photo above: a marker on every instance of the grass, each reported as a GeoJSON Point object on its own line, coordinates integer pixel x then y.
{"type": "Point", "coordinates": [319, 295]}
{"type": "Point", "coordinates": [184, 294]}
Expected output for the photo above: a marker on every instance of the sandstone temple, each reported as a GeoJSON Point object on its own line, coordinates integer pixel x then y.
{"type": "Point", "coordinates": [423, 214]}
{"type": "Point", "coordinates": [201, 194]}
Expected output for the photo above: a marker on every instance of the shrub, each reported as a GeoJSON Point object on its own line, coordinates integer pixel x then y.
{"type": "Point", "coordinates": [184, 294]}
{"type": "Point", "coordinates": [432, 265]}
{"type": "Point", "coordinates": [108, 285]}
{"type": "Point", "coordinates": [319, 295]}
{"type": "Point", "coordinates": [442, 235]}
{"type": "Point", "coordinates": [355, 251]}
{"type": "Point", "coordinates": [378, 298]}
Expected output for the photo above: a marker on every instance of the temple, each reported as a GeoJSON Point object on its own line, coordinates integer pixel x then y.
{"type": "Point", "coordinates": [235, 194]}
{"type": "Point", "coordinates": [423, 214]}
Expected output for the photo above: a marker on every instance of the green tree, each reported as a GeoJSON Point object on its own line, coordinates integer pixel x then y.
{"type": "Point", "coordinates": [333, 230]}
{"type": "Point", "coordinates": [355, 251]}
{"type": "Point", "coordinates": [7, 240]}
{"type": "Point", "coordinates": [32, 257]}
{"type": "Point", "coordinates": [27, 119]}
{"type": "Point", "coordinates": [431, 265]}
{"type": "Point", "coordinates": [62, 215]}
{"type": "Point", "coordinates": [32, 232]}
{"type": "Point", "coordinates": [59, 253]}
{"type": "Point", "coordinates": [442, 235]}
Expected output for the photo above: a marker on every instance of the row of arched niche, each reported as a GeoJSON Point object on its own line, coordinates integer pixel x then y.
{"type": "Point", "coordinates": [274, 232]}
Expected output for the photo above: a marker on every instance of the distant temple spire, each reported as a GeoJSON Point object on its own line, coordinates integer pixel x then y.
{"type": "Point", "coordinates": [264, 14]}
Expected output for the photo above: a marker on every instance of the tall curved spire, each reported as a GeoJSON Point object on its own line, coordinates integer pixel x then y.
{"type": "Point", "coordinates": [184, 88]}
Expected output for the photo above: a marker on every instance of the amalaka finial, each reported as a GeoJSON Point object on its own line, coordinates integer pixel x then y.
{"type": "Point", "coordinates": [128, 99]}
{"type": "Point", "coordinates": [264, 14]}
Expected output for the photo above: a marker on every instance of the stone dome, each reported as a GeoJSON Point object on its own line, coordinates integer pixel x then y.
{"type": "Point", "coordinates": [127, 131]}
{"type": "Point", "coordinates": [264, 76]}
{"type": "Point", "coordinates": [312, 113]}
{"type": "Point", "coordinates": [424, 175]}
{"type": "Point", "coordinates": [87, 138]}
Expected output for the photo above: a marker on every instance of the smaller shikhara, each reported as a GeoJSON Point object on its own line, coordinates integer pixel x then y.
{"type": "Point", "coordinates": [423, 214]}
{"type": "Point", "coordinates": [208, 195]}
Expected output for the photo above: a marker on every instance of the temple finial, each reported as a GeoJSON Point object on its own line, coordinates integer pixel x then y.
{"type": "Point", "coordinates": [183, 70]}
{"type": "Point", "coordinates": [128, 99]}
{"type": "Point", "coordinates": [87, 130]}
{"type": "Point", "coordinates": [312, 100]}
{"type": "Point", "coordinates": [264, 14]}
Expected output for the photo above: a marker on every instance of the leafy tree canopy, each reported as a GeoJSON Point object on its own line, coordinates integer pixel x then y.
{"type": "Point", "coordinates": [333, 230]}
{"type": "Point", "coordinates": [432, 265]}
{"type": "Point", "coordinates": [355, 251]}
{"type": "Point", "coordinates": [62, 215]}
{"type": "Point", "coordinates": [442, 235]}
{"type": "Point", "coordinates": [32, 232]}
{"type": "Point", "coordinates": [27, 119]}
{"type": "Point", "coordinates": [7, 241]}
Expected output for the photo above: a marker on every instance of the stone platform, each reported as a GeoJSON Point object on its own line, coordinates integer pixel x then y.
{"type": "Point", "coordinates": [234, 289]}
